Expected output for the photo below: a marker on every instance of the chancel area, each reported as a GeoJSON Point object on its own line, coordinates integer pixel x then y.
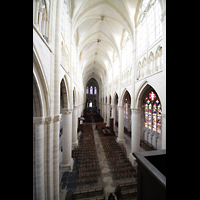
{"type": "Point", "coordinates": [99, 97]}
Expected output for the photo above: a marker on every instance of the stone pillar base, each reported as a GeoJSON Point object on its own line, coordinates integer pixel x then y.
{"type": "Point", "coordinates": [74, 144]}
{"type": "Point", "coordinates": [67, 167]}
{"type": "Point", "coordinates": [132, 159]}
{"type": "Point", "coordinates": [121, 141]}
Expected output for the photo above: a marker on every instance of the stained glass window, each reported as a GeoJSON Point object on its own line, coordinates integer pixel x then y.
{"type": "Point", "coordinates": [146, 116]}
{"type": "Point", "coordinates": [87, 90]}
{"type": "Point", "coordinates": [157, 101]}
{"type": "Point", "coordinates": [95, 90]}
{"type": "Point", "coordinates": [152, 112]}
{"type": "Point", "coordinates": [91, 90]}
{"type": "Point", "coordinates": [152, 96]}
{"type": "Point", "coordinates": [126, 110]}
{"type": "Point", "coordinates": [159, 119]}
{"type": "Point", "coordinates": [149, 116]}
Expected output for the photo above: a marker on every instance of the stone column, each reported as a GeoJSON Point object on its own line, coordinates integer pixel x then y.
{"type": "Point", "coordinates": [40, 17]}
{"type": "Point", "coordinates": [39, 157]}
{"type": "Point", "coordinates": [163, 132]}
{"type": "Point", "coordinates": [49, 121]}
{"type": "Point", "coordinates": [104, 113]}
{"type": "Point", "coordinates": [120, 138]}
{"type": "Point", "coordinates": [148, 136]}
{"type": "Point", "coordinates": [74, 127]}
{"type": "Point", "coordinates": [145, 135]}
{"type": "Point", "coordinates": [57, 59]}
{"type": "Point", "coordinates": [135, 130]}
{"type": "Point", "coordinates": [113, 115]}
{"type": "Point", "coordinates": [47, 28]}
{"type": "Point", "coordinates": [79, 111]}
{"type": "Point", "coordinates": [67, 160]}
{"type": "Point", "coordinates": [36, 12]}
{"type": "Point", "coordinates": [56, 120]}
{"type": "Point", "coordinates": [43, 26]}
{"type": "Point", "coordinates": [99, 108]}
{"type": "Point", "coordinates": [129, 119]}
{"type": "Point", "coordinates": [135, 133]}
{"type": "Point", "coordinates": [108, 114]}
{"type": "Point", "coordinates": [57, 115]}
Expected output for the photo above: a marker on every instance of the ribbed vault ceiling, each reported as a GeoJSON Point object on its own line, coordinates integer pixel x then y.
{"type": "Point", "coordinates": [98, 26]}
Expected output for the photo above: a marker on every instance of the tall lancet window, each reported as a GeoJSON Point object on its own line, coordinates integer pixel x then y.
{"type": "Point", "coordinates": [91, 90]}
{"type": "Point", "coordinates": [87, 90]}
{"type": "Point", "coordinates": [95, 90]}
{"type": "Point", "coordinates": [126, 110]}
{"type": "Point", "coordinates": [152, 112]}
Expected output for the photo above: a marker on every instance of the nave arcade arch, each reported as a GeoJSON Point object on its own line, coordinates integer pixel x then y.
{"type": "Point", "coordinates": [150, 106]}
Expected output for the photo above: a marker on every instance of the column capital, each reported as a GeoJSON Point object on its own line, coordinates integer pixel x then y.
{"type": "Point", "coordinates": [135, 109]}
{"type": "Point", "coordinates": [67, 111]}
{"type": "Point", "coordinates": [57, 118]}
{"type": "Point", "coordinates": [120, 107]}
{"type": "Point", "coordinates": [113, 106]}
{"type": "Point", "coordinates": [75, 107]}
{"type": "Point", "coordinates": [38, 120]}
{"type": "Point", "coordinates": [49, 119]}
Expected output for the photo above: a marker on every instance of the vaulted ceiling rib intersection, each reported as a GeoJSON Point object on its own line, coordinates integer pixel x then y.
{"type": "Point", "coordinates": [99, 25]}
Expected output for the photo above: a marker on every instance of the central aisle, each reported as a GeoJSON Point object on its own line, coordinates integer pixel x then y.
{"type": "Point", "coordinates": [106, 175]}
{"type": "Point", "coordinates": [69, 180]}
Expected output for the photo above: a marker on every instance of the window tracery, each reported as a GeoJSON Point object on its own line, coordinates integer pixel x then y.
{"type": "Point", "coordinates": [152, 112]}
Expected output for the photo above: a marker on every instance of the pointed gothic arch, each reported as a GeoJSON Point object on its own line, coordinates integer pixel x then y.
{"type": "Point", "coordinates": [42, 84]}
{"type": "Point", "coordinates": [124, 93]}
{"type": "Point", "coordinates": [64, 94]}
{"type": "Point", "coordinates": [37, 100]}
{"type": "Point", "coordinates": [143, 90]}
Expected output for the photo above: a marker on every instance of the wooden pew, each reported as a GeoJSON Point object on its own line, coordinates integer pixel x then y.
{"type": "Point", "coordinates": [128, 184]}
{"type": "Point", "coordinates": [87, 192]}
{"type": "Point", "coordinates": [127, 192]}
{"type": "Point", "coordinates": [95, 198]}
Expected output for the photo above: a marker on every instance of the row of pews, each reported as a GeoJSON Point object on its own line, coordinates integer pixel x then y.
{"type": "Point", "coordinates": [89, 194]}
{"type": "Point", "coordinates": [127, 189]}
{"type": "Point", "coordinates": [116, 154]}
{"type": "Point", "coordinates": [86, 155]}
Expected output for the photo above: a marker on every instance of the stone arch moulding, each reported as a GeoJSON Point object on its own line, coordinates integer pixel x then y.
{"type": "Point", "coordinates": [141, 91]}
{"type": "Point", "coordinates": [39, 112]}
{"type": "Point", "coordinates": [122, 96]}
{"type": "Point", "coordinates": [113, 98]}
{"type": "Point", "coordinates": [42, 84]}
{"type": "Point", "coordinates": [67, 91]}
{"type": "Point", "coordinates": [66, 81]}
